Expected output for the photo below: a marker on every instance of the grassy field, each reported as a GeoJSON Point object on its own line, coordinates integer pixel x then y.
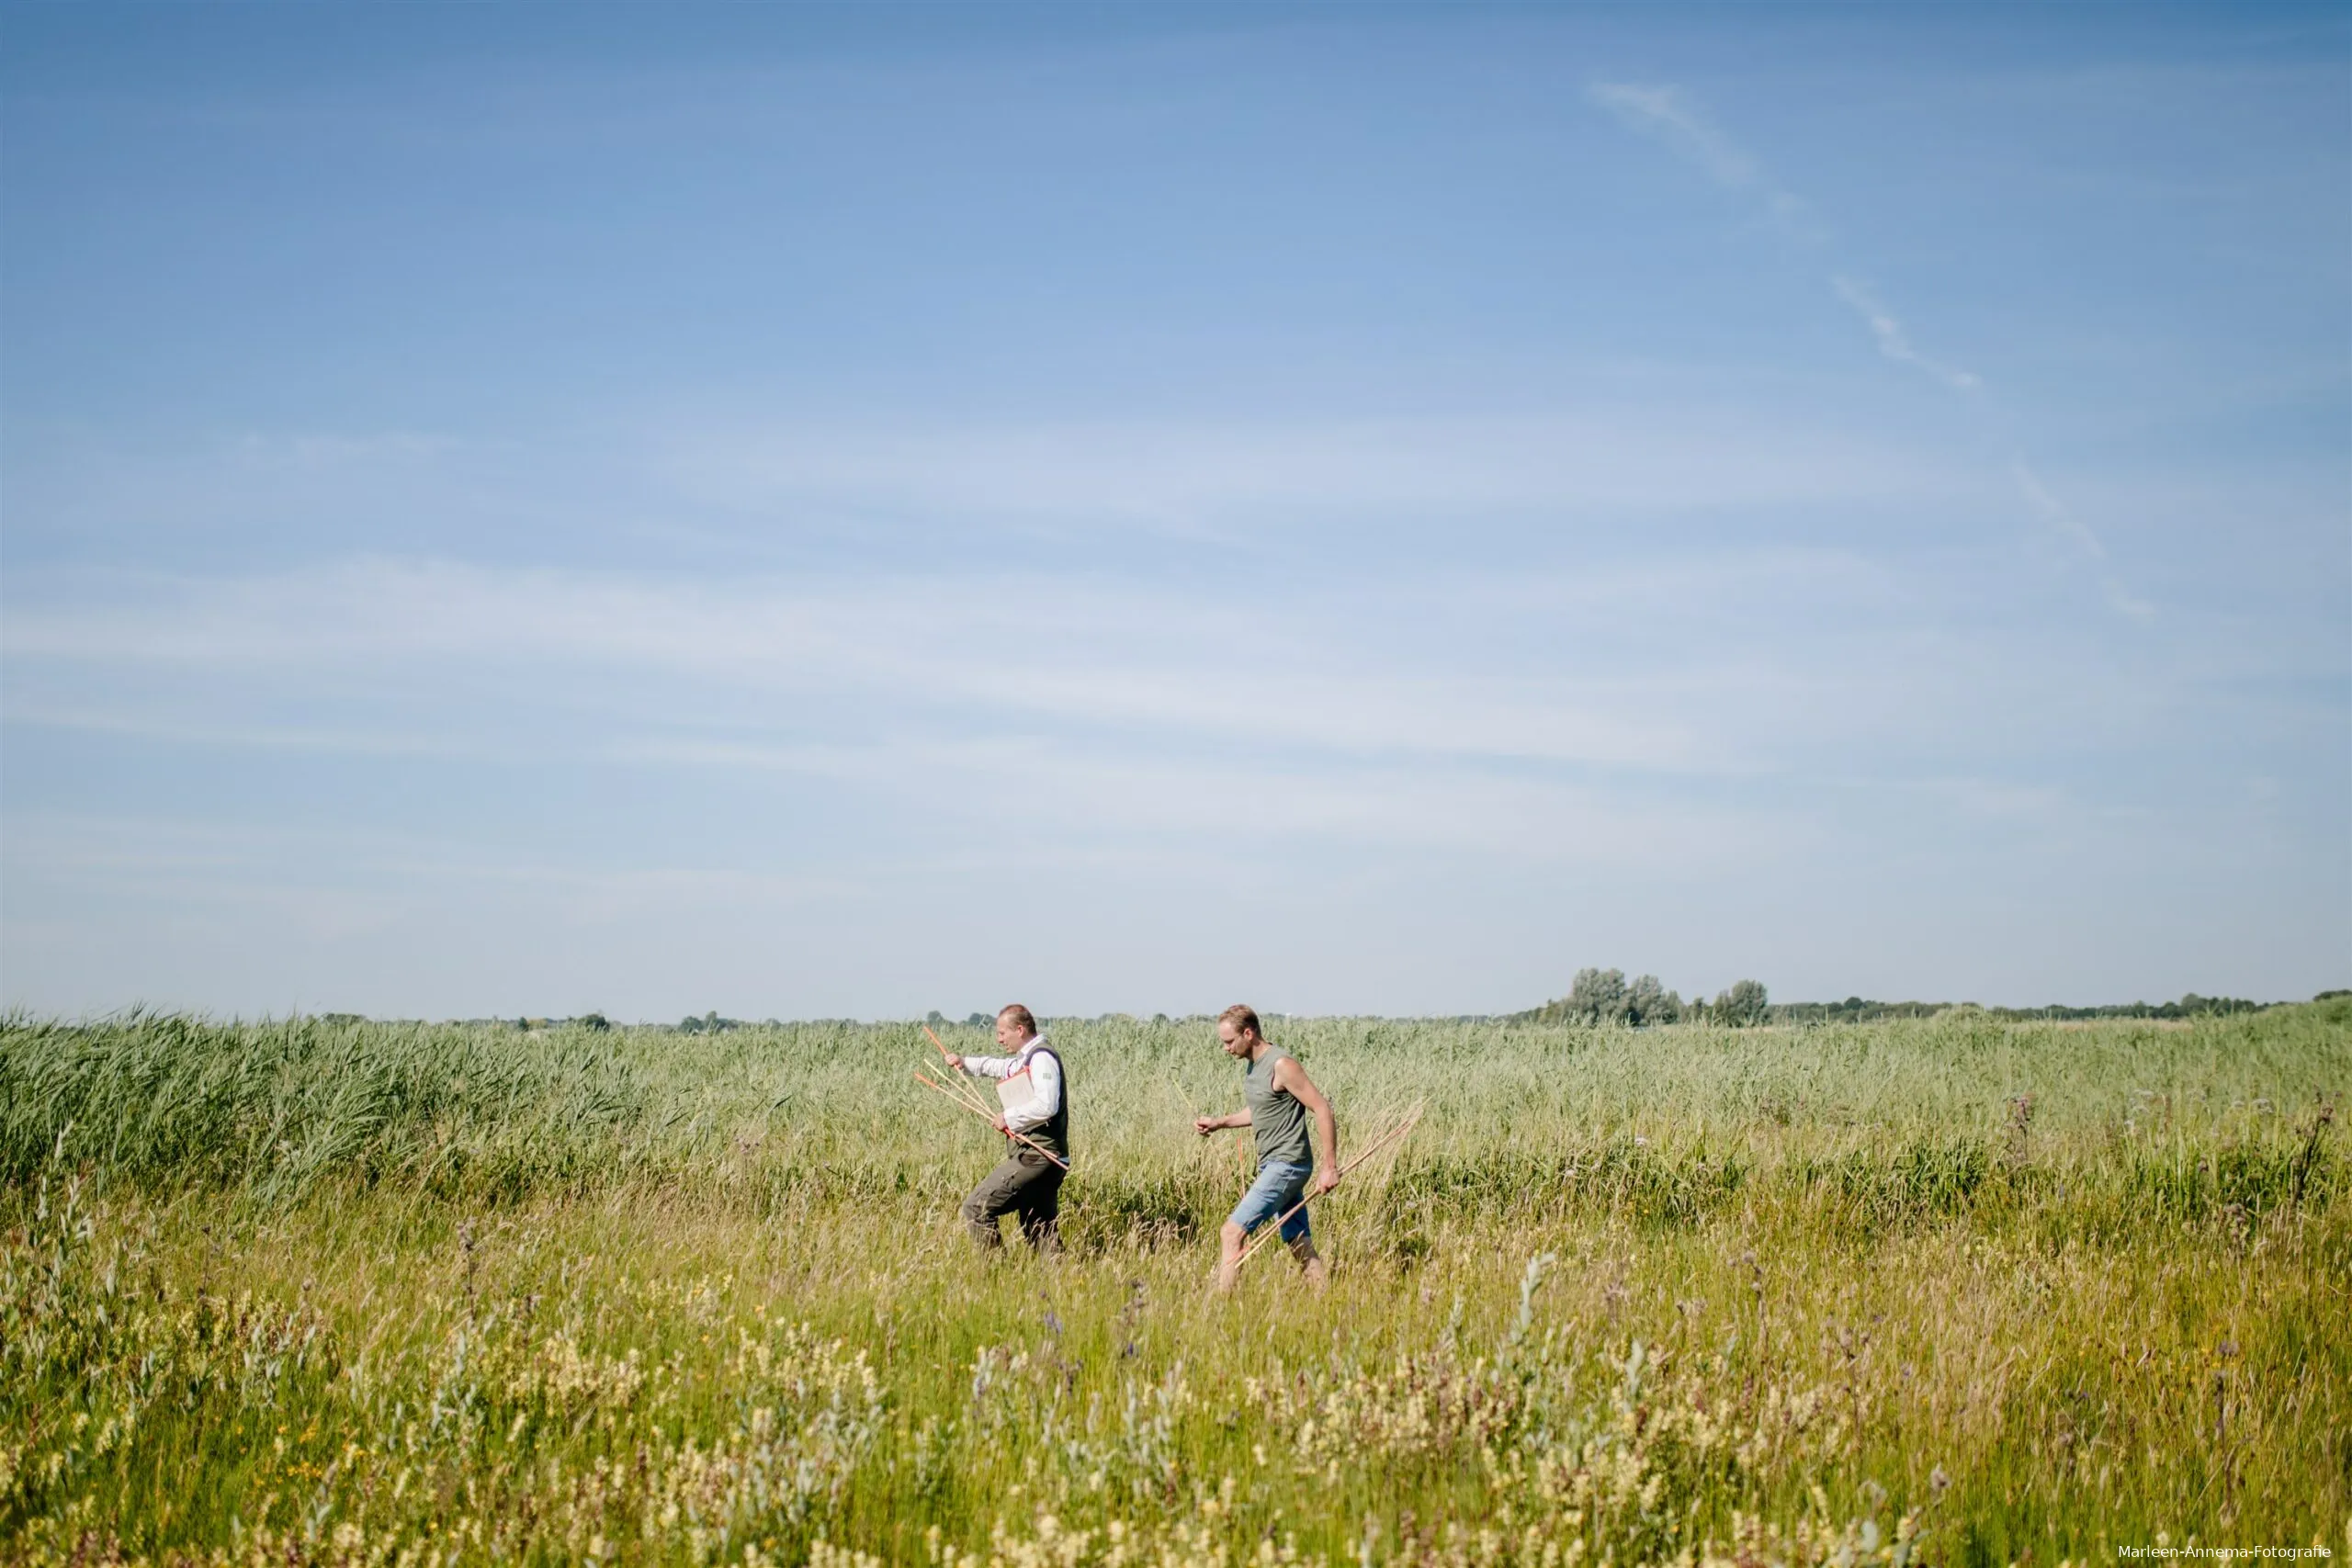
{"type": "Point", "coordinates": [1952, 1290]}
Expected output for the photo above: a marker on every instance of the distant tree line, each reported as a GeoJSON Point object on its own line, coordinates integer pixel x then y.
{"type": "Point", "coordinates": [1605, 996]}
{"type": "Point", "coordinates": [1857, 1009]}
{"type": "Point", "coordinates": [1597, 996]}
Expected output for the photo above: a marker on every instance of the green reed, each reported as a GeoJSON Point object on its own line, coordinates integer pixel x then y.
{"type": "Point", "coordinates": [1949, 1291]}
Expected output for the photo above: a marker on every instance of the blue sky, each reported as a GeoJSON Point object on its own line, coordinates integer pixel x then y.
{"type": "Point", "coordinates": [816, 511]}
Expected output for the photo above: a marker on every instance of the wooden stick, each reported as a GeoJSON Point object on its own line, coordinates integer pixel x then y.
{"type": "Point", "coordinates": [961, 1092]}
{"type": "Point", "coordinates": [1275, 1229]}
{"type": "Point", "coordinates": [963, 1096]}
{"type": "Point", "coordinates": [962, 1084]}
{"type": "Point", "coordinates": [964, 1089]}
{"type": "Point", "coordinates": [930, 1083]}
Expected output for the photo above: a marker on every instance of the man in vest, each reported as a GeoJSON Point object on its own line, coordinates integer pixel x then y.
{"type": "Point", "coordinates": [1038, 1106]}
{"type": "Point", "coordinates": [1278, 1097]}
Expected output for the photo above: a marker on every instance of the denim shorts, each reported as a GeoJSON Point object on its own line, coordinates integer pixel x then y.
{"type": "Point", "coordinates": [1277, 1190]}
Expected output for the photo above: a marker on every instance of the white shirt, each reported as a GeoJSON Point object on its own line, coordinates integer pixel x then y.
{"type": "Point", "coordinates": [1045, 1081]}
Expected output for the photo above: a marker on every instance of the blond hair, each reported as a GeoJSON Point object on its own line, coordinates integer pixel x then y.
{"type": "Point", "coordinates": [1020, 1015]}
{"type": "Point", "coordinates": [1244, 1020]}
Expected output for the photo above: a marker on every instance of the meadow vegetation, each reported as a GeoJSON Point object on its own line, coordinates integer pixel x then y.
{"type": "Point", "coordinates": [1959, 1290]}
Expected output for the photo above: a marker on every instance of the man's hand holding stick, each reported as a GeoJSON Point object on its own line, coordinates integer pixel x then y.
{"type": "Point", "coordinates": [990, 1117]}
{"type": "Point", "coordinates": [1327, 1180]}
{"type": "Point", "coordinates": [964, 1088]}
{"type": "Point", "coordinates": [952, 1059]}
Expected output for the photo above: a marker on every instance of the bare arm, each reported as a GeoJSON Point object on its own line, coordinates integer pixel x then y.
{"type": "Point", "coordinates": [1204, 1125]}
{"type": "Point", "coordinates": [1292, 1078]}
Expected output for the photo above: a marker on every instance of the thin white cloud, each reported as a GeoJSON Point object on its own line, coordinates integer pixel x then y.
{"type": "Point", "coordinates": [1646, 451]}
{"type": "Point", "coordinates": [1651, 458]}
{"type": "Point", "coordinates": [1894, 342]}
{"type": "Point", "coordinates": [197, 861]}
{"type": "Point", "coordinates": [2075, 532]}
{"type": "Point", "coordinates": [1044, 786]}
{"type": "Point", "coordinates": [327, 451]}
{"type": "Point", "coordinates": [1657, 669]}
{"type": "Point", "coordinates": [1664, 112]}
{"type": "Point", "coordinates": [2054, 512]}
{"type": "Point", "coordinates": [1131, 660]}
{"type": "Point", "coordinates": [1667, 114]}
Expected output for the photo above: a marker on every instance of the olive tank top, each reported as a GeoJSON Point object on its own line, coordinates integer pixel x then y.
{"type": "Point", "coordinates": [1275, 1115]}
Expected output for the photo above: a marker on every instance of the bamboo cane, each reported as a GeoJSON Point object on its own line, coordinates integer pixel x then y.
{"type": "Point", "coordinates": [970, 1094]}
{"type": "Point", "coordinates": [962, 1093]}
{"type": "Point", "coordinates": [1411, 1120]}
{"type": "Point", "coordinates": [962, 1084]}
{"type": "Point", "coordinates": [934, 1084]}
{"type": "Point", "coordinates": [964, 1089]}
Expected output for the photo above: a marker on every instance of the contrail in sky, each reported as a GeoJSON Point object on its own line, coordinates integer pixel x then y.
{"type": "Point", "coordinates": [1666, 114]}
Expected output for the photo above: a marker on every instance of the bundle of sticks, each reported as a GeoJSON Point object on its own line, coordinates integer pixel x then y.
{"type": "Point", "coordinates": [959, 1089]}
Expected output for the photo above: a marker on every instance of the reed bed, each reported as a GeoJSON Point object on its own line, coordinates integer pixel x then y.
{"type": "Point", "coordinates": [1949, 1290]}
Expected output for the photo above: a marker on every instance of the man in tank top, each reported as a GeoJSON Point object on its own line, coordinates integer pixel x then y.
{"type": "Point", "coordinates": [1025, 1183]}
{"type": "Point", "coordinates": [1279, 1097]}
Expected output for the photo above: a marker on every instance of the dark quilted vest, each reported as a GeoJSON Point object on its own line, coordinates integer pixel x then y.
{"type": "Point", "coordinates": [1054, 1133]}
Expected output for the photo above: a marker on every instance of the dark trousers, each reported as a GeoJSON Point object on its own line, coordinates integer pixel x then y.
{"type": "Point", "coordinates": [1025, 1184]}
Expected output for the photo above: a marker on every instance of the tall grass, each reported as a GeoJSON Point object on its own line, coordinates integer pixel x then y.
{"type": "Point", "coordinates": [1953, 1291]}
{"type": "Point", "coordinates": [1920, 1111]}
